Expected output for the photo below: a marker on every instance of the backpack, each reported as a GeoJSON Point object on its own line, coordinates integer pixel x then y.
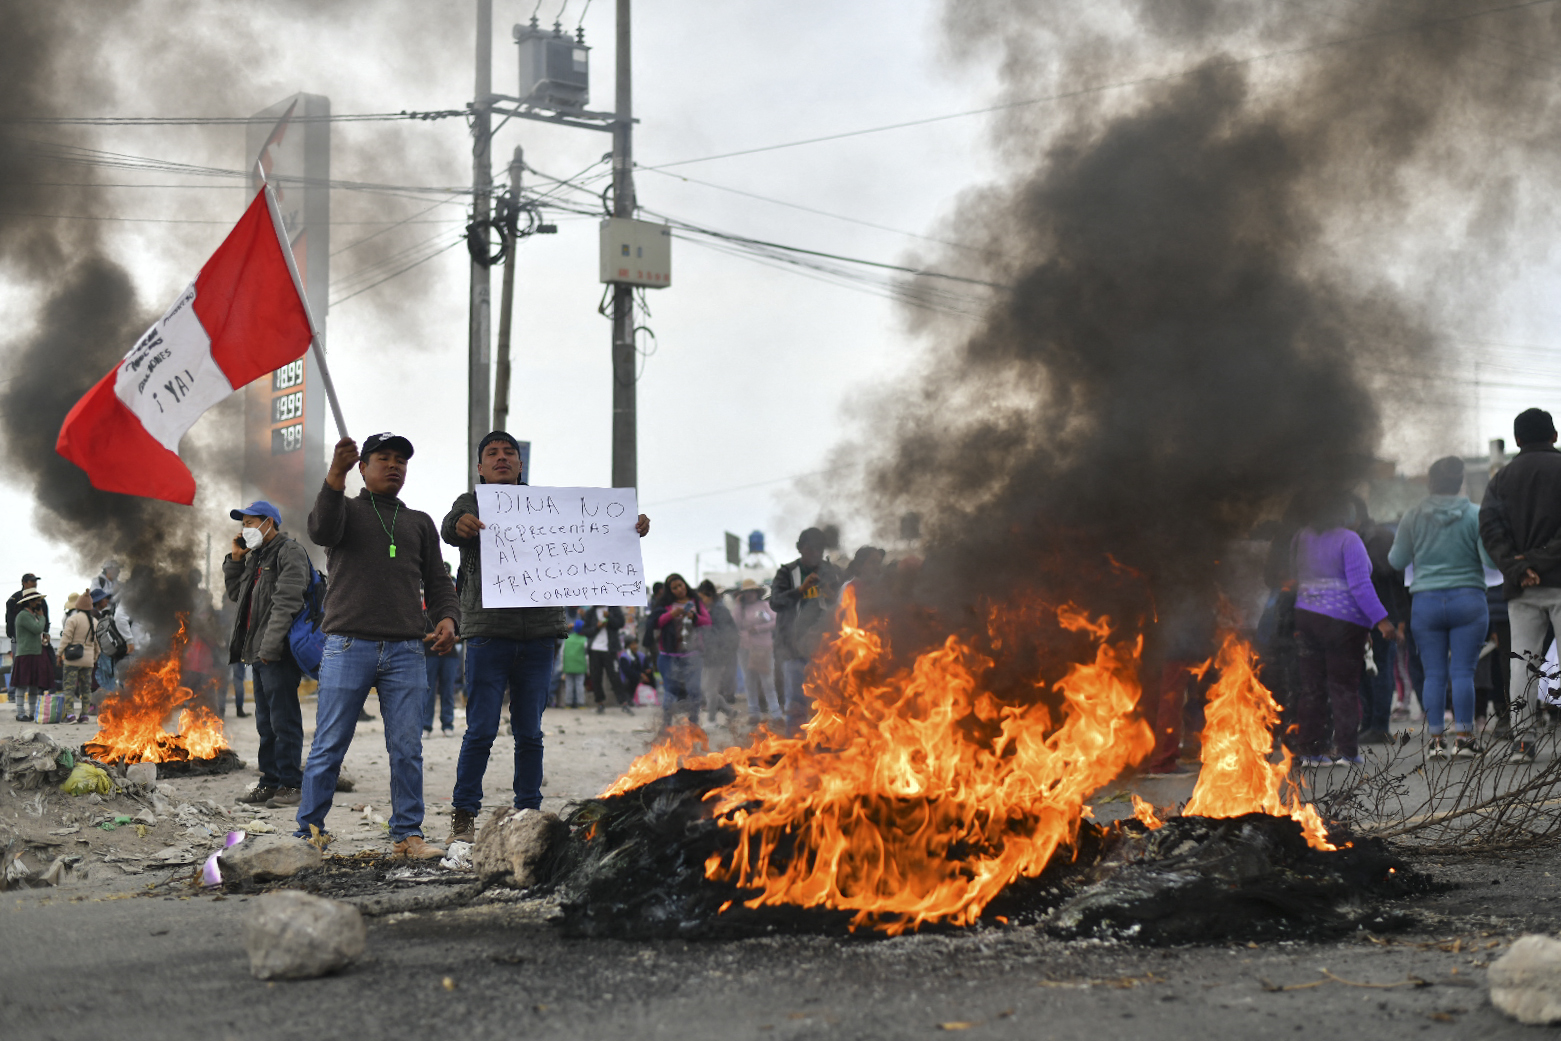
{"type": "Point", "coordinates": [304, 637]}
{"type": "Point", "coordinates": [110, 642]}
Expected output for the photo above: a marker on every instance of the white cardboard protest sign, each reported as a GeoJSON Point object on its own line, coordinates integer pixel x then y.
{"type": "Point", "coordinates": [558, 547]}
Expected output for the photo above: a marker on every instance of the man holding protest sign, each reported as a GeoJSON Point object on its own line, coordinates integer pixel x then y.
{"type": "Point", "coordinates": [505, 646]}
{"type": "Point", "coordinates": [382, 566]}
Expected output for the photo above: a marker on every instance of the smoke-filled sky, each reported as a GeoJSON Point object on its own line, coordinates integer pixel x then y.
{"type": "Point", "coordinates": [760, 373]}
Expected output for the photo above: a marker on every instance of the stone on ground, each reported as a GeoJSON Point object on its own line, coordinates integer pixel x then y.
{"type": "Point", "coordinates": [1526, 981]}
{"type": "Point", "coordinates": [513, 846]}
{"type": "Point", "coordinates": [292, 935]}
{"type": "Point", "coordinates": [262, 857]}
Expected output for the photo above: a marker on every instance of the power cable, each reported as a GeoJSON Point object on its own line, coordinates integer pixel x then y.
{"type": "Point", "coordinates": [443, 249]}
{"type": "Point", "coordinates": [1119, 85]}
{"type": "Point", "coordinates": [161, 121]}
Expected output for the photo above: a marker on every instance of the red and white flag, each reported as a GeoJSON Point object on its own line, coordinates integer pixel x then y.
{"type": "Point", "coordinates": [242, 317]}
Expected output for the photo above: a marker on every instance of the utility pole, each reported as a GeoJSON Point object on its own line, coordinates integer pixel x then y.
{"type": "Point", "coordinates": [478, 343]}
{"type": "Point", "coordinates": [507, 300]}
{"type": "Point", "coordinates": [625, 447]}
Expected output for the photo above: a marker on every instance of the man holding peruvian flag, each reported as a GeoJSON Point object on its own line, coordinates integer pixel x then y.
{"type": "Point", "coordinates": [243, 316]}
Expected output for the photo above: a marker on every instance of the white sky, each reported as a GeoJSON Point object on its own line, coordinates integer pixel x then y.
{"type": "Point", "coordinates": [754, 368]}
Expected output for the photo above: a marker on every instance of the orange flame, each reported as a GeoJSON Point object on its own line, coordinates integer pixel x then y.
{"type": "Point", "coordinates": [1146, 815]}
{"type": "Point", "coordinates": [1237, 775]}
{"type": "Point", "coordinates": [130, 722]}
{"type": "Point", "coordinates": [668, 756]}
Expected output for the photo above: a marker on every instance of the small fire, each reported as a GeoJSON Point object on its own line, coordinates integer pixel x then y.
{"type": "Point", "coordinates": [1237, 776]}
{"type": "Point", "coordinates": [130, 722]}
{"type": "Point", "coordinates": [669, 755]}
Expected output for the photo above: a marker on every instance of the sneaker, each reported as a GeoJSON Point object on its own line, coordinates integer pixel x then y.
{"type": "Point", "coordinates": [1350, 760]}
{"type": "Point", "coordinates": [463, 826]}
{"type": "Point", "coordinates": [601, 710]}
{"type": "Point", "coordinates": [628, 710]}
{"type": "Point", "coordinates": [363, 716]}
{"type": "Point", "coordinates": [1466, 748]}
{"type": "Point", "coordinates": [1436, 748]}
{"type": "Point", "coordinates": [284, 797]}
{"type": "Point", "coordinates": [448, 731]}
{"type": "Point", "coordinates": [1522, 752]}
{"type": "Point", "coordinates": [414, 848]}
{"type": "Point", "coordinates": [428, 731]}
{"type": "Point", "coordinates": [241, 714]}
{"type": "Point", "coordinates": [259, 794]}
{"type": "Point", "coordinates": [1316, 760]}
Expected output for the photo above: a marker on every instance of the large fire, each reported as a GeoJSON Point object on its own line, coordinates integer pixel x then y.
{"type": "Point", "coordinates": [918, 796]}
{"type": "Point", "coordinates": [131, 722]}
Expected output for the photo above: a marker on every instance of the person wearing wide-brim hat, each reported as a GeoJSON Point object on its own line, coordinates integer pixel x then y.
{"type": "Point", "coordinates": [756, 644]}
{"type": "Point", "coordinates": [32, 668]}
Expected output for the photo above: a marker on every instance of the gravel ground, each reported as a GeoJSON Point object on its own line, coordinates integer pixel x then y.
{"type": "Point", "coordinates": [114, 956]}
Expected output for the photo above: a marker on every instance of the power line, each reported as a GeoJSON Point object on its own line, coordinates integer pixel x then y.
{"type": "Point", "coordinates": [343, 299]}
{"type": "Point", "coordinates": [163, 121]}
{"type": "Point", "coordinates": [1119, 85]}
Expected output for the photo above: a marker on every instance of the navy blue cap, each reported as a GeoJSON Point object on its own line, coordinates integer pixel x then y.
{"type": "Point", "coordinates": [97, 594]}
{"type": "Point", "coordinates": [258, 508]}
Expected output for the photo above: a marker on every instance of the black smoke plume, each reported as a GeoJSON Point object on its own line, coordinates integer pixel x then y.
{"type": "Point", "coordinates": [1220, 248]}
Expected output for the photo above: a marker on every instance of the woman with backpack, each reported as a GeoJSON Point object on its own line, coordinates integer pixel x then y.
{"type": "Point", "coordinates": [79, 656]}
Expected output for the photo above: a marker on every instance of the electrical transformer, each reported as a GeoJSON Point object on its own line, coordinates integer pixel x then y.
{"type": "Point", "coordinates": [555, 71]}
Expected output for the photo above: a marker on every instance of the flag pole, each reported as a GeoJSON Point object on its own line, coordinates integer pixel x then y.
{"type": "Point", "coordinates": [314, 332]}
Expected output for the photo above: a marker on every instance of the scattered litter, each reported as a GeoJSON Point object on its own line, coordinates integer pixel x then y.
{"type": "Point", "coordinates": [458, 857]}
{"type": "Point", "coordinates": [85, 779]}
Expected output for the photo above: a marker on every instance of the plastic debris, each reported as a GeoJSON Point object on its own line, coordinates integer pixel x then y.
{"type": "Point", "coordinates": [85, 778]}
{"type": "Point", "coordinates": [458, 857]}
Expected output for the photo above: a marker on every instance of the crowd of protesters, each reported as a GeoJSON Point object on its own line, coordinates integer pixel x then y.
{"type": "Point", "coordinates": [1449, 612]}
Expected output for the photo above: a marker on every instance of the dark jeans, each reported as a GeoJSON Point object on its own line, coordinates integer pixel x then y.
{"type": "Point", "coordinates": [441, 686]}
{"type": "Point", "coordinates": [238, 688]}
{"type": "Point", "coordinates": [1376, 692]}
{"type": "Point", "coordinates": [600, 664]}
{"type": "Point", "coordinates": [1500, 660]}
{"type": "Point", "coordinates": [280, 722]}
{"type": "Point", "coordinates": [1332, 655]}
{"type": "Point", "coordinates": [526, 667]}
{"type": "Point", "coordinates": [680, 679]}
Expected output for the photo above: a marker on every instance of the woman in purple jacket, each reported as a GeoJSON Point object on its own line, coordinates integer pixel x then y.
{"type": "Point", "coordinates": [1335, 605]}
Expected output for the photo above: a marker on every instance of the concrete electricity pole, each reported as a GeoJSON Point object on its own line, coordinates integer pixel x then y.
{"type": "Point", "coordinates": [501, 367]}
{"type": "Point", "coordinates": [625, 447]}
{"type": "Point", "coordinates": [478, 342]}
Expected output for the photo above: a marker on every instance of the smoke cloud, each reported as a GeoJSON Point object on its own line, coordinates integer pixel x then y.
{"type": "Point", "coordinates": [1234, 251]}
{"type": "Point", "coordinates": [71, 285]}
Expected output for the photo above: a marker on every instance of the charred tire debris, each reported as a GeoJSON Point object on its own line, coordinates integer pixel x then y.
{"type": "Point", "coordinates": [633, 868]}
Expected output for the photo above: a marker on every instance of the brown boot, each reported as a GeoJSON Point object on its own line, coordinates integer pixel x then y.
{"type": "Point", "coordinates": [463, 826]}
{"type": "Point", "coordinates": [414, 848]}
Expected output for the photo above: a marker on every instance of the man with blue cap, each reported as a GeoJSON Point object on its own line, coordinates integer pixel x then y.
{"type": "Point", "coordinates": [267, 575]}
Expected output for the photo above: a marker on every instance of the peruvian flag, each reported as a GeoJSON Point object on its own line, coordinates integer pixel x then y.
{"type": "Point", "coordinates": [242, 317]}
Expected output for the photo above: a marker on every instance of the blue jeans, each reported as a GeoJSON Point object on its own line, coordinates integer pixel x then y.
{"type": "Point", "coordinates": [441, 687]}
{"type": "Point", "coordinates": [680, 686]}
{"type": "Point", "coordinates": [238, 687]}
{"type": "Point", "coordinates": [526, 668]}
{"type": "Point", "coordinates": [349, 667]}
{"type": "Point", "coordinates": [799, 707]}
{"type": "Point", "coordinates": [280, 721]}
{"type": "Point", "coordinates": [1450, 625]}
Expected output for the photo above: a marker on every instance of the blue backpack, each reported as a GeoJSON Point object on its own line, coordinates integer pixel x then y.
{"type": "Point", "coordinates": [304, 637]}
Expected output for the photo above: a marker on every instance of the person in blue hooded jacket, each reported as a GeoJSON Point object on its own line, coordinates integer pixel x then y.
{"type": "Point", "coordinates": [1440, 536]}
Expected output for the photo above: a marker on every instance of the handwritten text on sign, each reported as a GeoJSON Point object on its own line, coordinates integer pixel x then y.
{"type": "Point", "coordinates": [546, 547]}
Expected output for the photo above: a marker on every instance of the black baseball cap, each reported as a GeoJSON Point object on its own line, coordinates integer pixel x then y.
{"type": "Point", "coordinates": [29, 577]}
{"type": "Point", "coordinates": [375, 442]}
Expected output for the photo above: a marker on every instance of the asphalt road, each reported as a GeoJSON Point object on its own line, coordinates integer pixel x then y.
{"type": "Point", "coordinates": [172, 968]}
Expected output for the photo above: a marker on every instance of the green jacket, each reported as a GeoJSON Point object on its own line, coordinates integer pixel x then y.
{"type": "Point", "coordinates": [509, 623]}
{"type": "Point", "coordinates": [278, 573]}
{"type": "Point", "coordinates": [29, 633]}
{"type": "Point", "coordinates": [1440, 535]}
{"type": "Point", "coordinates": [574, 653]}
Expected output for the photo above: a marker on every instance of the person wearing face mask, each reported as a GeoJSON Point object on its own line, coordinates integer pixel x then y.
{"type": "Point", "coordinates": [267, 575]}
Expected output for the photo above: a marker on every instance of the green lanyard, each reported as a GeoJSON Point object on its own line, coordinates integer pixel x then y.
{"type": "Point", "coordinates": [391, 531]}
